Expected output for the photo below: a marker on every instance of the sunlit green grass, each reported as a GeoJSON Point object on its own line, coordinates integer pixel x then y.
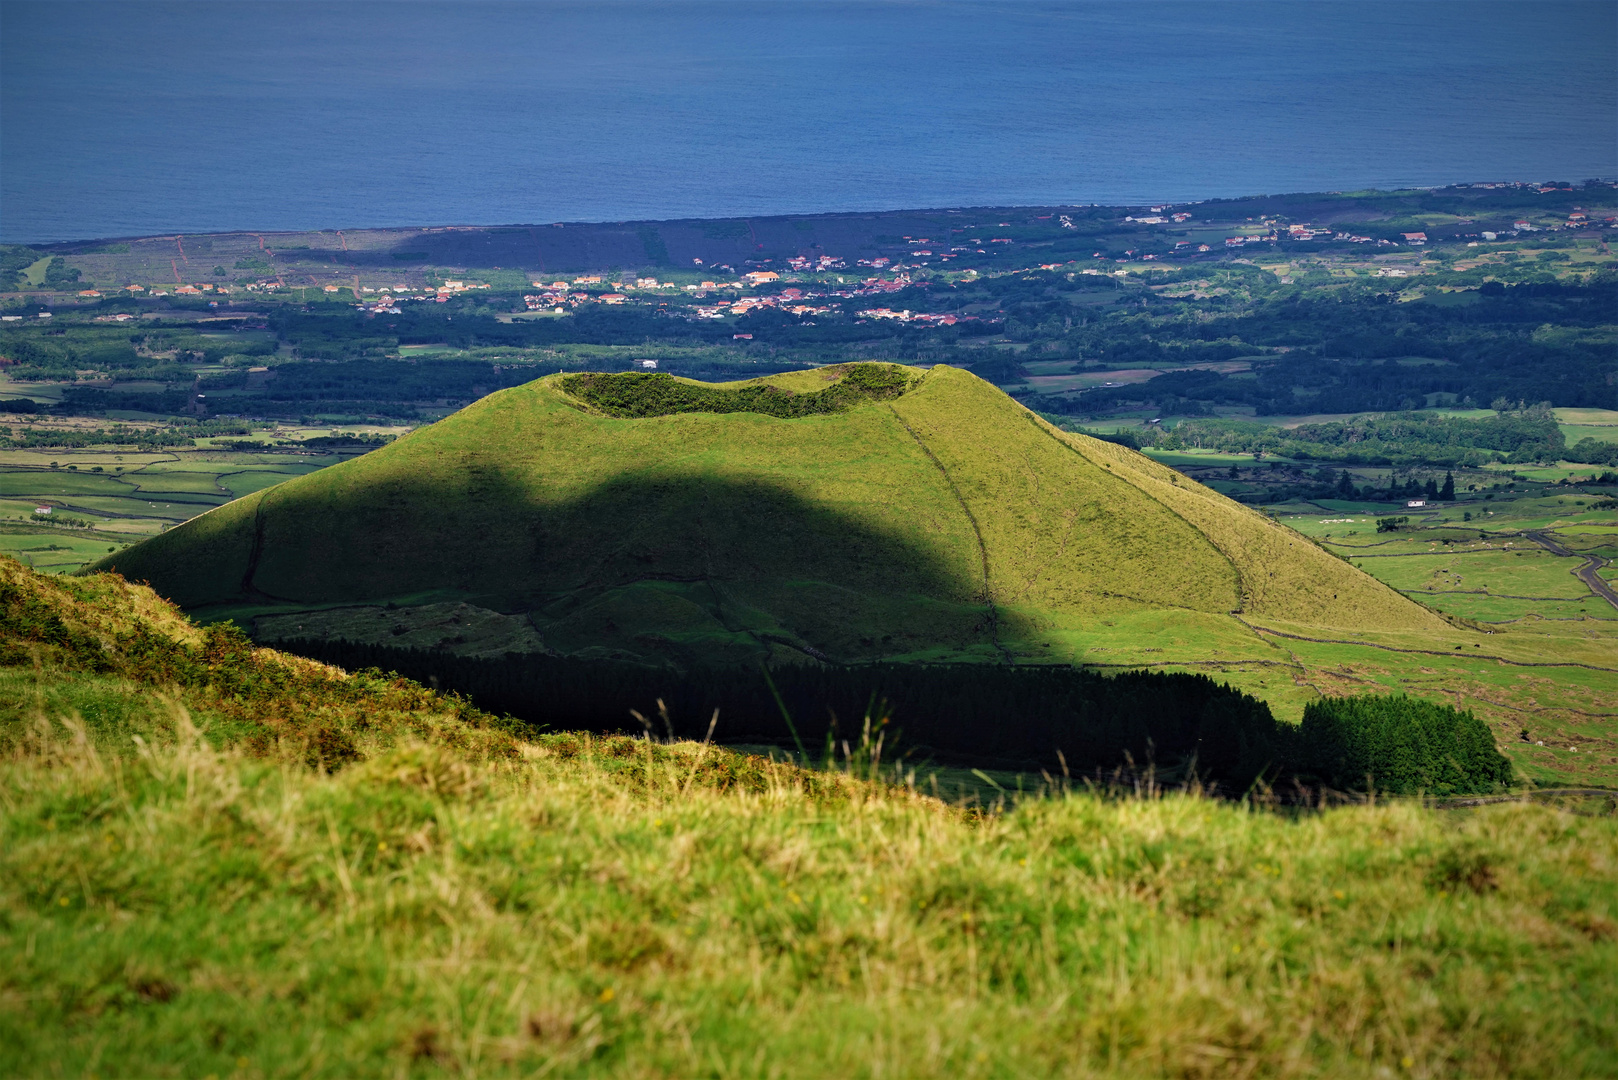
{"type": "Point", "coordinates": [52, 550]}
{"type": "Point", "coordinates": [617, 908]}
{"type": "Point", "coordinates": [1526, 570]}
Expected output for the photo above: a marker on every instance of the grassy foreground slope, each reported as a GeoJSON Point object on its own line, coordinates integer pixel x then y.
{"type": "Point", "coordinates": [194, 881]}
{"type": "Point", "coordinates": [944, 523]}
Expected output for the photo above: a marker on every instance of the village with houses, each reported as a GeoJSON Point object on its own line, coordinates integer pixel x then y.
{"type": "Point", "coordinates": [827, 267]}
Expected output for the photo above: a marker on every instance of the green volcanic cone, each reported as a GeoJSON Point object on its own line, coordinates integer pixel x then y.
{"type": "Point", "coordinates": [848, 514]}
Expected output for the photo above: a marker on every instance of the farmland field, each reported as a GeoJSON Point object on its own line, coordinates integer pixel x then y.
{"type": "Point", "coordinates": [1551, 689]}
{"type": "Point", "coordinates": [103, 499]}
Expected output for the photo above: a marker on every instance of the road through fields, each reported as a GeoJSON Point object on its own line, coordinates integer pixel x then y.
{"type": "Point", "coordinates": [1589, 573]}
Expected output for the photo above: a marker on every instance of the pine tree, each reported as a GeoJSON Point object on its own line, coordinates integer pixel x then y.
{"type": "Point", "coordinates": [1447, 492]}
{"type": "Point", "coordinates": [1431, 490]}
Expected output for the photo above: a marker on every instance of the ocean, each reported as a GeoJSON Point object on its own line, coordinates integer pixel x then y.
{"type": "Point", "coordinates": [128, 119]}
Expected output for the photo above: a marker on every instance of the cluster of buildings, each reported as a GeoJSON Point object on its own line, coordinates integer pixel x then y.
{"type": "Point", "coordinates": [819, 264]}
{"type": "Point", "coordinates": [558, 296]}
{"type": "Point", "coordinates": [915, 316]}
{"type": "Point", "coordinates": [1154, 218]}
{"type": "Point", "coordinates": [1306, 232]}
{"type": "Point", "coordinates": [386, 300]}
{"type": "Point", "coordinates": [745, 304]}
{"type": "Point", "coordinates": [546, 301]}
{"type": "Point", "coordinates": [800, 301]}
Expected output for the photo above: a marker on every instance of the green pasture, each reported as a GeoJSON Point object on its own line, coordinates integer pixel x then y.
{"type": "Point", "coordinates": [136, 494]}
{"type": "Point", "coordinates": [43, 484]}
{"type": "Point", "coordinates": [1591, 541]}
{"type": "Point", "coordinates": [1555, 679]}
{"type": "Point", "coordinates": [1203, 458]}
{"type": "Point", "coordinates": [604, 907]}
{"type": "Point", "coordinates": [158, 481]}
{"type": "Point", "coordinates": [1320, 523]}
{"type": "Point", "coordinates": [1546, 474]}
{"type": "Point", "coordinates": [1572, 433]}
{"type": "Point", "coordinates": [249, 481]}
{"type": "Point", "coordinates": [11, 389]}
{"type": "Point", "coordinates": [1497, 609]}
{"type": "Point", "coordinates": [35, 271]}
{"type": "Point", "coordinates": [1421, 542]}
{"type": "Point", "coordinates": [116, 509]}
{"type": "Point", "coordinates": [1574, 416]}
{"type": "Point", "coordinates": [1531, 572]}
{"type": "Point", "coordinates": [1552, 517]}
{"type": "Point", "coordinates": [53, 551]}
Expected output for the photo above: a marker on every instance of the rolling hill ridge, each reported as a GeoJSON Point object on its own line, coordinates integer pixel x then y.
{"type": "Point", "coordinates": [852, 513]}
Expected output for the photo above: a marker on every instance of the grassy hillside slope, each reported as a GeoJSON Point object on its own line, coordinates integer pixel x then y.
{"type": "Point", "coordinates": [944, 523]}
{"type": "Point", "coordinates": [1284, 575]}
{"type": "Point", "coordinates": [220, 860]}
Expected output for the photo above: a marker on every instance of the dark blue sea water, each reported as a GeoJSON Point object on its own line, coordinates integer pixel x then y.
{"type": "Point", "coordinates": [139, 118]}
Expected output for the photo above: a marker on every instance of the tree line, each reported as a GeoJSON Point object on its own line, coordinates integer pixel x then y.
{"type": "Point", "coordinates": [1046, 717]}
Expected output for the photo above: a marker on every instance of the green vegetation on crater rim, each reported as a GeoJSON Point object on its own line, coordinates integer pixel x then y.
{"type": "Point", "coordinates": [634, 394]}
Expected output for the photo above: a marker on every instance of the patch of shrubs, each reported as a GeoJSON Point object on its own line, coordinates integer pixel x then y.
{"type": "Point", "coordinates": [90, 625]}
{"type": "Point", "coordinates": [643, 394]}
{"type": "Point", "coordinates": [1401, 745]}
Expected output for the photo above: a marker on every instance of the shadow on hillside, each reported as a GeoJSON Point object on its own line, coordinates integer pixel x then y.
{"type": "Point", "coordinates": [677, 567]}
